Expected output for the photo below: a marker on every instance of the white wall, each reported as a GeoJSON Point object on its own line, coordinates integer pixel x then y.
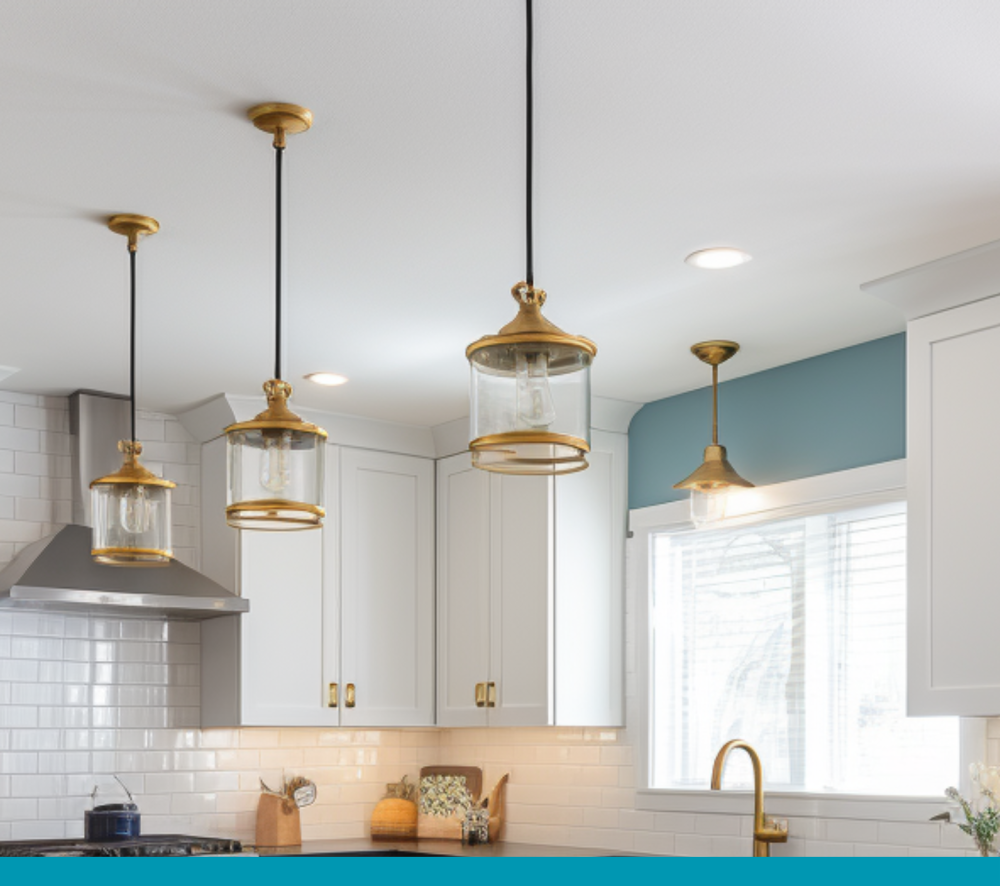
{"type": "Point", "coordinates": [82, 697]}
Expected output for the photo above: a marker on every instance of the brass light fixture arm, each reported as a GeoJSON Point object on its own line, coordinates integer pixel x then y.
{"type": "Point", "coordinates": [280, 119]}
{"type": "Point", "coordinates": [715, 405]}
{"type": "Point", "coordinates": [713, 353]}
{"type": "Point", "coordinates": [132, 227]}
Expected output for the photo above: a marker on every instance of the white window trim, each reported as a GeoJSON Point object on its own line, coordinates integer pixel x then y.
{"type": "Point", "coordinates": [872, 484]}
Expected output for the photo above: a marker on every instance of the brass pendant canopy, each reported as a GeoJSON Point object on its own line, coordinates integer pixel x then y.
{"type": "Point", "coordinates": [715, 473]}
{"type": "Point", "coordinates": [275, 462]}
{"type": "Point", "coordinates": [131, 508]}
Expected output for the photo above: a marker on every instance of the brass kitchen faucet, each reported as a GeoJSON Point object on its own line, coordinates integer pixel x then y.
{"type": "Point", "coordinates": [765, 830]}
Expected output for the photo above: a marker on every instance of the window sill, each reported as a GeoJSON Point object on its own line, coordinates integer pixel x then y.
{"type": "Point", "coordinates": [794, 805]}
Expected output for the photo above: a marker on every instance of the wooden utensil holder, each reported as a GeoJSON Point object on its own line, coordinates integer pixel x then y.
{"type": "Point", "coordinates": [278, 822]}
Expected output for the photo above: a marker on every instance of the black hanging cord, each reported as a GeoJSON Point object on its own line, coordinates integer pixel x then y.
{"type": "Point", "coordinates": [530, 277]}
{"type": "Point", "coordinates": [131, 368]}
{"type": "Point", "coordinates": [279, 151]}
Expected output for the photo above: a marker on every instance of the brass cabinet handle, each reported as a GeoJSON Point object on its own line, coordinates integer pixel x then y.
{"type": "Point", "coordinates": [349, 696]}
{"type": "Point", "coordinates": [480, 695]}
{"type": "Point", "coordinates": [331, 698]}
{"type": "Point", "coordinates": [491, 695]}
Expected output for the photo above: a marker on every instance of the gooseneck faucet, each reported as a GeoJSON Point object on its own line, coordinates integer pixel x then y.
{"type": "Point", "coordinates": [765, 830]}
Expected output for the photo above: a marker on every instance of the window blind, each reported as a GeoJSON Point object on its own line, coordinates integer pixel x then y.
{"type": "Point", "coordinates": [791, 634]}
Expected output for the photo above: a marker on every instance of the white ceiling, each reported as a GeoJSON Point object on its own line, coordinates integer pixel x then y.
{"type": "Point", "coordinates": [836, 142]}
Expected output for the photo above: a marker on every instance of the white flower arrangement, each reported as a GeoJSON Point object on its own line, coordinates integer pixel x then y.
{"type": "Point", "coordinates": [982, 816]}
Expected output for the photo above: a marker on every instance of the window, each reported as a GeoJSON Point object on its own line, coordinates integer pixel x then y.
{"type": "Point", "coordinates": [790, 633]}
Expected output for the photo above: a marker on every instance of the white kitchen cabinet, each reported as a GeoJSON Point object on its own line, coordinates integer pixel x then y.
{"type": "Point", "coordinates": [266, 667]}
{"type": "Point", "coordinates": [387, 589]}
{"type": "Point", "coordinates": [530, 574]}
{"type": "Point", "coordinates": [953, 372]}
{"type": "Point", "coordinates": [350, 603]}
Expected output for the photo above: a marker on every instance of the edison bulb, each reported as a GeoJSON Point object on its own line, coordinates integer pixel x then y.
{"type": "Point", "coordinates": [708, 506]}
{"type": "Point", "coordinates": [135, 510]}
{"type": "Point", "coordinates": [535, 408]}
{"type": "Point", "coordinates": [275, 462]}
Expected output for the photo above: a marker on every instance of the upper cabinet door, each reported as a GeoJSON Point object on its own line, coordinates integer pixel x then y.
{"type": "Point", "coordinates": [463, 597]}
{"type": "Point", "coordinates": [281, 648]}
{"type": "Point", "coordinates": [521, 647]}
{"type": "Point", "coordinates": [387, 589]}
{"type": "Point", "coordinates": [953, 372]}
{"type": "Point", "coordinates": [332, 692]}
{"type": "Point", "coordinates": [590, 569]}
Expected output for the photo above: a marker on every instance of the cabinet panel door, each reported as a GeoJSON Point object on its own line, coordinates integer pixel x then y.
{"type": "Point", "coordinates": [387, 589]}
{"type": "Point", "coordinates": [952, 417]}
{"type": "Point", "coordinates": [281, 643]}
{"type": "Point", "coordinates": [521, 620]}
{"type": "Point", "coordinates": [590, 516]}
{"type": "Point", "coordinates": [463, 598]}
{"type": "Point", "coordinates": [331, 585]}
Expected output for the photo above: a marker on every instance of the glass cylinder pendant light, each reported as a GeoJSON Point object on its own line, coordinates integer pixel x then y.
{"type": "Point", "coordinates": [275, 463]}
{"type": "Point", "coordinates": [710, 484]}
{"type": "Point", "coordinates": [130, 509]}
{"type": "Point", "coordinates": [530, 392]}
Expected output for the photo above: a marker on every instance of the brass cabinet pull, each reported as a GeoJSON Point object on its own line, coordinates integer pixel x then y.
{"type": "Point", "coordinates": [331, 698]}
{"type": "Point", "coordinates": [480, 695]}
{"type": "Point", "coordinates": [349, 696]}
{"type": "Point", "coordinates": [491, 695]}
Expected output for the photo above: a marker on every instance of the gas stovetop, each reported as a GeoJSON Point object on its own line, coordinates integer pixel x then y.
{"type": "Point", "coordinates": [155, 846]}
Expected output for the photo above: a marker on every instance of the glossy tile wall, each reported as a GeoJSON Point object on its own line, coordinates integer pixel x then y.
{"type": "Point", "coordinates": [83, 697]}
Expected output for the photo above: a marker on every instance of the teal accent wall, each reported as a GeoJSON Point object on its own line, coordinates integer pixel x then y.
{"type": "Point", "coordinates": [829, 413]}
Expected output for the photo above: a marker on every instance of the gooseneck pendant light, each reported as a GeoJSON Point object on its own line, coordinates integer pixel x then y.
{"type": "Point", "coordinates": [710, 484]}
{"type": "Point", "coordinates": [130, 509]}
{"type": "Point", "coordinates": [275, 462]}
{"type": "Point", "coordinates": [530, 393]}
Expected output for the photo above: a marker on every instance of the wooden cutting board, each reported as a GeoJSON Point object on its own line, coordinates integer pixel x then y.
{"type": "Point", "coordinates": [473, 777]}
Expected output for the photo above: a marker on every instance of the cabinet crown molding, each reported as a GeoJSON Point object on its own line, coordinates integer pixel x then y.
{"type": "Point", "coordinates": [942, 284]}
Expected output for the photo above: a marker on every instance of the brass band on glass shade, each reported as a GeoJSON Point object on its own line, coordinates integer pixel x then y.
{"type": "Point", "coordinates": [530, 394]}
{"type": "Point", "coordinates": [130, 509]}
{"type": "Point", "coordinates": [275, 461]}
{"type": "Point", "coordinates": [715, 475]}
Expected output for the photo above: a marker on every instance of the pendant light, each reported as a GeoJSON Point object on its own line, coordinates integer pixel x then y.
{"type": "Point", "coordinates": [710, 484]}
{"type": "Point", "coordinates": [275, 462]}
{"type": "Point", "coordinates": [530, 392]}
{"type": "Point", "coordinates": [130, 509]}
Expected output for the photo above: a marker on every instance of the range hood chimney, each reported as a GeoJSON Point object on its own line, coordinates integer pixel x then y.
{"type": "Point", "coordinates": [58, 572]}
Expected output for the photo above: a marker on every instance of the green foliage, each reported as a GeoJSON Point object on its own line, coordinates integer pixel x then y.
{"type": "Point", "coordinates": [982, 826]}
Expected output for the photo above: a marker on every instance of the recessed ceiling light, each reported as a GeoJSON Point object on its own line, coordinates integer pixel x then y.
{"type": "Point", "coordinates": [330, 379]}
{"type": "Point", "coordinates": [718, 258]}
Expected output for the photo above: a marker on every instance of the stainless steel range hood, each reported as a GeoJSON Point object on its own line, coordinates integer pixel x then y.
{"type": "Point", "coordinates": [58, 572]}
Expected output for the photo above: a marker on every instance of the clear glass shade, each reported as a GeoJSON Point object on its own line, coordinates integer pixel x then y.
{"type": "Point", "coordinates": [275, 478]}
{"type": "Point", "coordinates": [130, 514]}
{"type": "Point", "coordinates": [530, 408]}
{"type": "Point", "coordinates": [708, 505]}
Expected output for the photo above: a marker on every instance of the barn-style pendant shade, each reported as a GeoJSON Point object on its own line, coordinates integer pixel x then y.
{"type": "Point", "coordinates": [275, 460]}
{"type": "Point", "coordinates": [530, 390]}
{"type": "Point", "coordinates": [715, 477]}
{"type": "Point", "coordinates": [130, 509]}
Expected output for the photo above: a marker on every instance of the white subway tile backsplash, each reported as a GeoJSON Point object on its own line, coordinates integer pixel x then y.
{"type": "Point", "coordinates": [41, 419]}
{"type": "Point", "coordinates": [18, 440]}
{"type": "Point", "coordinates": [910, 833]}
